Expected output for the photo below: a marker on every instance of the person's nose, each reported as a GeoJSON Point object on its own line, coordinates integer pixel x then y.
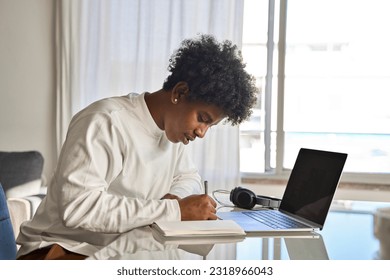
{"type": "Point", "coordinates": [201, 130]}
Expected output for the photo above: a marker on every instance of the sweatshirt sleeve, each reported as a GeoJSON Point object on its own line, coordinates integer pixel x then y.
{"type": "Point", "coordinates": [186, 179]}
{"type": "Point", "coordinates": [90, 160]}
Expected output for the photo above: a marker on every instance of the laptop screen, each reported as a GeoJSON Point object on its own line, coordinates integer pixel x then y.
{"type": "Point", "coordinates": [312, 184]}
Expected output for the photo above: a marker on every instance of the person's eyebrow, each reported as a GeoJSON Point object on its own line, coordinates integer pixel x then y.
{"type": "Point", "coordinates": [211, 120]}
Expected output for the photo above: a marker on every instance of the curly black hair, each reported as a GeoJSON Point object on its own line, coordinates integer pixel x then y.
{"type": "Point", "coordinates": [215, 75]}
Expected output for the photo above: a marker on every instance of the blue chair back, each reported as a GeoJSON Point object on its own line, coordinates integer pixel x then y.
{"type": "Point", "coordinates": [7, 237]}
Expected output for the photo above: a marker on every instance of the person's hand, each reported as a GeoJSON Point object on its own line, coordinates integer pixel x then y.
{"type": "Point", "coordinates": [170, 196]}
{"type": "Point", "coordinates": [197, 207]}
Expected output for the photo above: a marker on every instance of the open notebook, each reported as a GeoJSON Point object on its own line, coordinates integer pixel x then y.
{"type": "Point", "coordinates": [207, 228]}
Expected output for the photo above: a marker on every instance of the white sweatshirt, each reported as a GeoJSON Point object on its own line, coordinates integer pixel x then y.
{"type": "Point", "coordinates": [114, 167]}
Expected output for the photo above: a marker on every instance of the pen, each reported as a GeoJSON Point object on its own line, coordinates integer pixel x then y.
{"type": "Point", "coordinates": [206, 191]}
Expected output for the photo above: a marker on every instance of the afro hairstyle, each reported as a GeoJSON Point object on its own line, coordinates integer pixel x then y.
{"type": "Point", "coordinates": [215, 74]}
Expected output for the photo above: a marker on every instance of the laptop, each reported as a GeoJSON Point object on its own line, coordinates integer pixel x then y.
{"type": "Point", "coordinates": [306, 200]}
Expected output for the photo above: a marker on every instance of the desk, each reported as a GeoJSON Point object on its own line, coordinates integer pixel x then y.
{"type": "Point", "coordinates": [347, 235]}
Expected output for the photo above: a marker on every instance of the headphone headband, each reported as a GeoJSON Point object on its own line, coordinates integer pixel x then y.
{"type": "Point", "coordinates": [268, 201]}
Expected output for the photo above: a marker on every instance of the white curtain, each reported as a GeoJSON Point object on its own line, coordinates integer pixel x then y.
{"type": "Point", "coordinates": [113, 47]}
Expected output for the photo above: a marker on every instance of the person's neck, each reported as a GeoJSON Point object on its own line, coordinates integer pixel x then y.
{"type": "Point", "coordinates": [157, 103]}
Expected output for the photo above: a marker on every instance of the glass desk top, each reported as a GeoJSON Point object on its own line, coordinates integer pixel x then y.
{"type": "Point", "coordinates": [348, 234]}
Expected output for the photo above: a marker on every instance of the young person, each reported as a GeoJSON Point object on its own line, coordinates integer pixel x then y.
{"type": "Point", "coordinates": [124, 162]}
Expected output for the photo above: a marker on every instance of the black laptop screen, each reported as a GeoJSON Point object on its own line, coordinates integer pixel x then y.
{"type": "Point", "coordinates": [312, 184]}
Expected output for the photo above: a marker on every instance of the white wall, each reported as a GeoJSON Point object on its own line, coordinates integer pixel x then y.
{"type": "Point", "coordinates": [27, 78]}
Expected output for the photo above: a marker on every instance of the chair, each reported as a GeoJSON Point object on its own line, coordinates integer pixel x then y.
{"type": "Point", "coordinates": [7, 237]}
{"type": "Point", "coordinates": [21, 172]}
{"type": "Point", "coordinates": [21, 177]}
{"type": "Point", "coordinates": [19, 211]}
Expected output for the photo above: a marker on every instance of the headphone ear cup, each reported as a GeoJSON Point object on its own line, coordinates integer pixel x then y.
{"type": "Point", "coordinates": [243, 198]}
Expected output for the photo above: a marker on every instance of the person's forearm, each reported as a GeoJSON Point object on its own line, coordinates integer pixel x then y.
{"type": "Point", "coordinates": [103, 212]}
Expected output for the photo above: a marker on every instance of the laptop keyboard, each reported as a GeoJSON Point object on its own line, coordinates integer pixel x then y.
{"type": "Point", "coordinates": [274, 219]}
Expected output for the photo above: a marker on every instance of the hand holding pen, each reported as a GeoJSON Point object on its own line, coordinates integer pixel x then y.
{"type": "Point", "coordinates": [198, 207]}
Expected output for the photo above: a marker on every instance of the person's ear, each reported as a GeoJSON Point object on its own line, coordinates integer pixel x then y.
{"type": "Point", "coordinates": [179, 91]}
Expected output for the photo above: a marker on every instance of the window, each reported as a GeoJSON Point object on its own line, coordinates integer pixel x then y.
{"type": "Point", "coordinates": [324, 83]}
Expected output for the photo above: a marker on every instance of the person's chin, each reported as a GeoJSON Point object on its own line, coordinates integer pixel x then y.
{"type": "Point", "coordinates": [175, 140]}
